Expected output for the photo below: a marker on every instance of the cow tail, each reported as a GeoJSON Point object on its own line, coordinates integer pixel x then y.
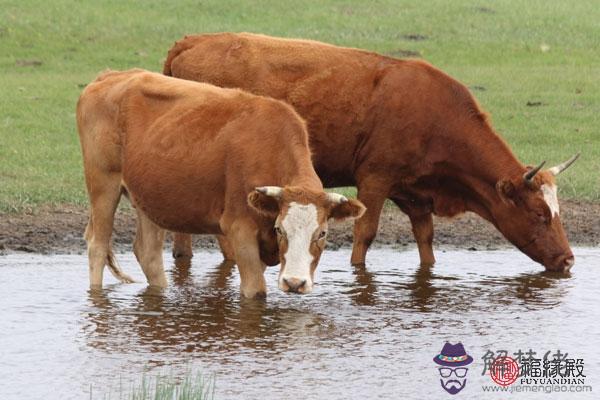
{"type": "Point", "coordinates": [114, 268]}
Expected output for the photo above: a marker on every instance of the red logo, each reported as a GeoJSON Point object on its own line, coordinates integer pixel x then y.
{"type": "Point", "coordinates": [504, 371]}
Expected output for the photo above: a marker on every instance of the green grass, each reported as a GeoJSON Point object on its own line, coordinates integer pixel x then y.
{"type": "Point", "coordinates": [193, 386]}
{"type": "Point", "coordinates": [497, 45]}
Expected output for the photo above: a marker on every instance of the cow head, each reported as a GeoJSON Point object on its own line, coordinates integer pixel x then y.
{"type": "Point", "coordinates": [301, 219]}
{"type": "Point", "coordinates": [528, 216]}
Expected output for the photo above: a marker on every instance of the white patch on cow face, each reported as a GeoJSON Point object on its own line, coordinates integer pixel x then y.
{"type": "Point", "coordinates": [299, 224]}
{"type": "Point", "coordinates": [549, 192]}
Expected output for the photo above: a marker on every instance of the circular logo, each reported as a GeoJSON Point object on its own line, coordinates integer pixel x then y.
{"type": "Point", "coordinates": [504, 371]}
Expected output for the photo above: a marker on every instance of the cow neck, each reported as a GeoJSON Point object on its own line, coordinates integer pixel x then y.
{"type": "Point", "coordinates": [302, 174]}
{"type": "Point", "coordinates": [292, 164]}
{"type": "Point", "coordinates": [484, 160]}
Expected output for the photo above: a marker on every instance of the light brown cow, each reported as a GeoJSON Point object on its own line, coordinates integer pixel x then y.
{"type": "Point", "coordinates": [197, 158]}
{"type": "Point", "coordinates": [397, 129]}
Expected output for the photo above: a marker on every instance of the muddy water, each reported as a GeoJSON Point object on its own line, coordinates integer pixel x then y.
{"type": "Point", "coordinates": [361, 334]}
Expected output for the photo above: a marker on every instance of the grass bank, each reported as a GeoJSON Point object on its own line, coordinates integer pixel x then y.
{"type": "Point", "coordinates": [534, 65]}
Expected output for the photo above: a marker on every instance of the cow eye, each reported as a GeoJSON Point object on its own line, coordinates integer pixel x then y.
{"type": "Point", "coordinates": [278, 230]}
{"type": "Point", "coordinates": [322, 234]}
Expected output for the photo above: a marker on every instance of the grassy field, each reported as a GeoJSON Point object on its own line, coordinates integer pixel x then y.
{"type": "Point", "coordinates": [511, 53]}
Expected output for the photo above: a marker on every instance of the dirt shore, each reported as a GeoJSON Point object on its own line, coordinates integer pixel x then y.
{"type": "Point", "coordinates": [60, 230]}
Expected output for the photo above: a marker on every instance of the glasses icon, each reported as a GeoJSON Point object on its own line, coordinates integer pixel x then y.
{"type": "Point", "coordinates": [459, 372]}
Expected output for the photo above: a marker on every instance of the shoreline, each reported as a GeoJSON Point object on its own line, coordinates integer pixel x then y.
{"type": "Point", "coordinates": [59, 230]}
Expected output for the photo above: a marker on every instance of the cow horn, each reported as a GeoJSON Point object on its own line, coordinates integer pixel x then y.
{"type": "Point", "coordinates": [561, 167]}
{"type": "Point", "coordinates": [272, 191]}
{"type": "Point", "coordinates": [528, 176]}
{"type": "Point", "coordinates": [336, 198]}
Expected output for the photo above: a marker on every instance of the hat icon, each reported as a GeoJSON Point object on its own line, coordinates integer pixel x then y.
{"type": "Point", "coordinates": [453, 355]}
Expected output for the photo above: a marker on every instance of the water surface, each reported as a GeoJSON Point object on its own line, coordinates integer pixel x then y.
{"type": "Point", "coordinates": [363, 333]}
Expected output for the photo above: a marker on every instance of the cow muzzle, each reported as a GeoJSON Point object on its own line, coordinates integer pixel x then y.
{"type": "Point", "coordinates": [295, 285]}
{"type": "Point", "coordinates": [562, 263]}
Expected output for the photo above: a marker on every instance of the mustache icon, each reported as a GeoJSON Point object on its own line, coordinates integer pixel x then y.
{"type": "Point", "coordinates": [453, 383]}
{"type": "Point", "coordinates": [453, 386]}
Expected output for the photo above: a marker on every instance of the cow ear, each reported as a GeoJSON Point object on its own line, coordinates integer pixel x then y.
{"type": "Point", "coordinates": [506, 190]}
{"type": "Point", "coordinates": [263, 204]}
{"type": "Point", "coordinates": [350, 209]}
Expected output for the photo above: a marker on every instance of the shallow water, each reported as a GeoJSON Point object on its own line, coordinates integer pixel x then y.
{"type": "Point", "coordinates": [362, 333]}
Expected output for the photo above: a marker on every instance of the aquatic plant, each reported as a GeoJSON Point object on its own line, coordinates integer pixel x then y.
{"type": "Point", "coordinates": [193, 386]}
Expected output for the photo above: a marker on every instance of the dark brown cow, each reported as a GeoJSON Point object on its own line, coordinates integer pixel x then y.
{"type": "Point", "coordinates": [197, 158]}
{"type": "Point", "coordinates": [397, 129]}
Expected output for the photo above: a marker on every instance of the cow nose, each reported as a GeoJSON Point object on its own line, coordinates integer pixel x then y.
{"type": "Point", "coordinates": [295, 285]}
{"type": "Point", "coordinates": [568, 263]}
{"type": "Point", "coordinates": [562, 263]}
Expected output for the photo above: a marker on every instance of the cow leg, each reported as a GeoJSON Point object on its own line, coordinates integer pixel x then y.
{"type": "Point", "coordinates": [421, 220]}
{"type": "Point", "coordinates": [182, 246]}
{"type": "Point", "coordinates": [365, 228]}
{"type": "Point", "coordinates": [422, 227]}
{"type": "Point", "coordinates": [104, 193]}
{"type": "Point", "coordinates": [243, 237]}
{"type": "Point", "coordinates": [226, 248]}
{"type": "Point", "coordinates": [148, 247]}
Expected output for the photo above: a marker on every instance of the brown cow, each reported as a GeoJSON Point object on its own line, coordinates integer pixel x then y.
{"type": "Point", "coordinates": [197, 158]}
{"type": "Point", "coordinates": [397, 129]}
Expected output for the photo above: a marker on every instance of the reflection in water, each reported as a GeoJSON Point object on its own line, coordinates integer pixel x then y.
{"type": "Point", "coordinates": [190, 317]}
{"type": "Point", "coordinates": [531, 290]}
{"type": "Point", "coordinates": [534, 290]}
{"type": "Point", "coordinates": [207, 315]}
{"type": "Point", "coordinates": [361, 326]}
{"type": "Point", "coordinates": [365, 291]}
{"type": "Point", "coordinates": [182, 271]}
{"type": "Point", "coordinates": [422, 289]}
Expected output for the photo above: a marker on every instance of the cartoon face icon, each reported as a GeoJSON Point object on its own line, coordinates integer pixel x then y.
{"type": "Point", "coordinates": [452, 361]}
{"type": "Point", "coordinates": [453, 380]}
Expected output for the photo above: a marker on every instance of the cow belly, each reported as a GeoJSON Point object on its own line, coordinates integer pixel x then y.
{"type": "Point", "coordinates": [174, 201]}
{"type": "Point", "coordinates": [178, 214]}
